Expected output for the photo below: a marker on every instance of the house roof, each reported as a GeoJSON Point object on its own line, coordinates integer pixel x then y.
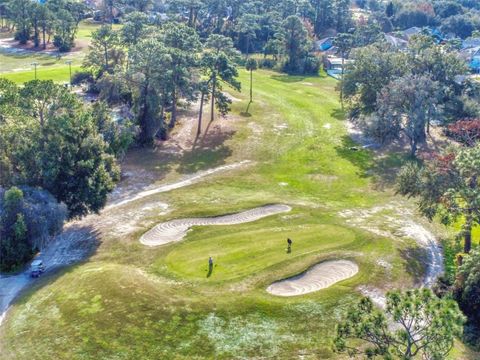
{"type": "Point", "coordinates": [470, 43]}
{"type": "Point", "coordinates": [469, 53]}
{"type": "Point", "coordinates": [396, 41]}
{"type": "Point", "coordinates": [332, 51]}
{"type": "Point", "coordinates": [338, 61]}
{"type": "Point", "coordinates": [324, 40]}
{"type": "Point", "coordinates": [411, 31]}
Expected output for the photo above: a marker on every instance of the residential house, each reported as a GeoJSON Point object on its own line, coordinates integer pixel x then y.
{"type": "Point", "coordinates": [471, 43]}
{"type": "Point", "coordinates": [407, 34]}
{"type": "Point", "coordinates": [471, 57]}
{"type": "Point", "coordinates": [396, 42]}
{"type": "Point", "coordinates": [334, 65]}
{"type": "Point", "coordinates": [324, 44]}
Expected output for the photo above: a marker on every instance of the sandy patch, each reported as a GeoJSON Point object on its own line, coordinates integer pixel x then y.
{"type": "Point", "coordinates": [231, 97]}
{"type": "Point", "coordinates": [376, 295]}
{"type": "Point", "coordinates": [190, 180]}
{"type": "Point", "coordinates": [316, 278]}
{"type": "Point", "coordinates": [175, 230]}
{"type": "Point", "coordinates": [357, 135]}
{"type": "Point", "coordinates": [323, 177]}
{"type": "Point", "coordinates": [256, 129]}
{"type": "Point", "coordinates": [395, 221]}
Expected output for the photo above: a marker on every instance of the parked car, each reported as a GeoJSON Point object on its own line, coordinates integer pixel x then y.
{"type": "Point", "coordinates": [37, 268]}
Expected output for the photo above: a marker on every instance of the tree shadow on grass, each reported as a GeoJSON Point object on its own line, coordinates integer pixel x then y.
{"type": "Point", "coordinates": [208, 152]}
{"type": "Point", "coordinates": [415, 259]}
{"type": "Point", "coordinates": [361, 158]}
{"type": "Point", "coordinates": [381, 167]}
{"type": "Point", "coordinates": [338, 114]}
{"type": "Point", "coordinates": [288, 78]}
{"type": "Point", "coordinates": [141, 167]}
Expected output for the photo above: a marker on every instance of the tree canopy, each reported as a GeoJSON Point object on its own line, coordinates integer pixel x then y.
{"type": "Point", "coordinates": [48, 139]}
{"type": "Point", "coordinates": [423, 325]}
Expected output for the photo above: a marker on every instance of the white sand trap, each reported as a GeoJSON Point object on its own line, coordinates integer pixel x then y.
{"type": "Point", "coordinates": [175, 230]}
{"type": "Point", "coordinates": [316, 278]}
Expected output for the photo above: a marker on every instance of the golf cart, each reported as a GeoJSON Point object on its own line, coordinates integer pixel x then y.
{"type": "Point", "coordinates": [36, 268]}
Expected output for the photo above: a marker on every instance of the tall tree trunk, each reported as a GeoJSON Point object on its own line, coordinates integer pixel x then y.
{"type": "Point", "coordinates": [163, 134]}
{"type": "Point", "coordinates": [195, 19]}
{"type": "Point", "coordinates": [105, 51]}
{"type": "Point", "coordinates": [173, 118]}
{"type": "Point", "coordinates": [200, 114]}
{"type": "Point", "coordinates": [190, 17]}
{"type": "Point", "coordinates": [212, 106]}
{"type": "Point", "coordinates": [251, 91]}
{"type": "Point", "coordinates": [36, 34]}
{"type": "Point", "coordinates": [145, 121]}
{"type": "Point", "coordinates": [467, 246]}
{"type": "Point", "coordinates": [43, 33]}
{"type": "Point", "coordinates": [341, 81]}
{"type": "Point", "coordinates": [413, 147]}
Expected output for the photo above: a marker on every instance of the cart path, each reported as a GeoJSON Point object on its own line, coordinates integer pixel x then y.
{"type": "Point", "coordinates": [175, 230]}
{"type": "Point", "coordinates": [320, 276]}
{"type": "Point", "coordinates": [190, 180]}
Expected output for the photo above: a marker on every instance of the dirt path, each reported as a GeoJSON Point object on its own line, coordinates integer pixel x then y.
{"type": "Point", "coordinates": [189, 180]}
{"type": "Point", "coordinates": [175, 230]}
{"type": "Point", "coordinates": [318, 277]}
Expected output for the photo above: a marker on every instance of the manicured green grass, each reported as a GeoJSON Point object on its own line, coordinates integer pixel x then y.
{"type": "Point", "coordinates": [22, 63]}
{"type": "Point", "coordinates": [133, 302]}
{"type": "Point", "coordinates": [86, 27]}
{"type": "Point", "coordinates": [15, 63]}
{"type": "Point", "coordinates": [57, 74]}
{"type": "Point", "coordinates": [241, 252]}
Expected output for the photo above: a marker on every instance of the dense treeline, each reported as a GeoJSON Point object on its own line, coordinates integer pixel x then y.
{"type": "Point", "coordinates": [43, 22]}
{"type": "Point", "coordinates": [58, 151]}
{"type": "Point", "coordinates": [28, 218]}
{"type": "Point", "coordinates": [395, 93]}
{"type": "Point", "coordinates": [151, 66]}
{"type": "Point", "coordinates": [457, 17]}
{"type": "Point", "coordinates": [49, 139]}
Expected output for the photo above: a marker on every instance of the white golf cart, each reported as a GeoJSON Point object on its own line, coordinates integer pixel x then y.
{"type": "Point", "coordinates": [37, 268]}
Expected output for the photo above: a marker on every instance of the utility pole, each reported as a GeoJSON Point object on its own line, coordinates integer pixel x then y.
{"type": "Point", "coordinates": [69, 62]}
{"type": "Point", "coordinates": [35, 64]}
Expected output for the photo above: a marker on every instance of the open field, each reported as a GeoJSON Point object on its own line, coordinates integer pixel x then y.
{"type": "Point", "coordinates": [16, 63]}
{"type": "Point", "coordinates": [129, 301]}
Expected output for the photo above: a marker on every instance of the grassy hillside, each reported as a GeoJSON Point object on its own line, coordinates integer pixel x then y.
{"type": "Point", "coordinates": [132, 302]}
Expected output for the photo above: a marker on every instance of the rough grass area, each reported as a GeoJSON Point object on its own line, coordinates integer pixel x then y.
{"type": "Point", "coordinates": [132, 302]}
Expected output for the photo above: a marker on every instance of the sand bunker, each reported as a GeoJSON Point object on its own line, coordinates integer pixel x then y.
{"type": "Point", "coordinates": [175, 230]}
{"type": "Point", "coordinates": [318, 277]}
